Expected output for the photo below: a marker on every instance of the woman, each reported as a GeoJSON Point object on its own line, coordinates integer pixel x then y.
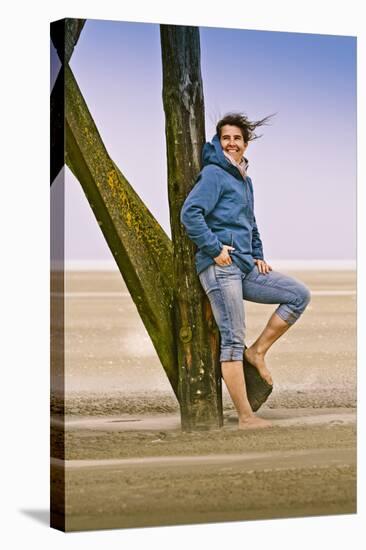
{"type": "Point", "coordinates": [218, 215]}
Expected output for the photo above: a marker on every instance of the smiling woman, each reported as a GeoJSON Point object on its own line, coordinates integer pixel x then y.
{"type": "Point", "coordinates": [232, 273]}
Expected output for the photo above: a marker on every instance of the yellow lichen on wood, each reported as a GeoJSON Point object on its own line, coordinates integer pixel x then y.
{"type": "Point", "coordinates": [129, 219]}
{"type": "Point", "coordinates": [113, 183]}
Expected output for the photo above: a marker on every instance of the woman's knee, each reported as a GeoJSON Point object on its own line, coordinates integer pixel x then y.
{"type": "Point", "coordinates": [303, 296]}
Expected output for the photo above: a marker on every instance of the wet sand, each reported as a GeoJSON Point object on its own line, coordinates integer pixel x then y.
{"type": "Point", "coordinates": [120, 408]}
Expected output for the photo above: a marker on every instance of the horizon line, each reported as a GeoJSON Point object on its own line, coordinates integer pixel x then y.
{"type": "Point", "coordinates": [110, 265]}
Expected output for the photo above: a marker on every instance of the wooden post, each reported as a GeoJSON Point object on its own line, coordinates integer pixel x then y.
{"type": "Point", "coordinates": [196, 334]}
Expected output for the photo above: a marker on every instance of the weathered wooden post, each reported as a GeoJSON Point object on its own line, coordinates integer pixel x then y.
{"type": "Point", "coordinates": [196, 334]}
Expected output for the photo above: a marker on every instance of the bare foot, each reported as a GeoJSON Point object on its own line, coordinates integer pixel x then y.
{"type": "Point", "coordinates": [253, 422]}
{"type": "Point", "coordinates": [257, 360]}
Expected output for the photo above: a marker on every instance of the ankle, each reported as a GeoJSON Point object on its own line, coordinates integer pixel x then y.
{"type": "Point", "coordinates": [244, 417]}
{"type": "Point", "coordinates": [257, 350]}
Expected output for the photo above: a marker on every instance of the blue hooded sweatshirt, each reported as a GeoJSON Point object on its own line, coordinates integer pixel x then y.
{"type": "Point", "coordinates": [220, 210]}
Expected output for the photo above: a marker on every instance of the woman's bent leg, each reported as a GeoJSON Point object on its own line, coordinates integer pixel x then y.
{"type": "Point", "coordinates": [273, 288]}
{"type": "Point", "coordinates": [255, 354]}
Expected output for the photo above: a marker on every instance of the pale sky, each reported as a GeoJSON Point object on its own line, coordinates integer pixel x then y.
{"type": "Point", "coordinates": [303, 168]}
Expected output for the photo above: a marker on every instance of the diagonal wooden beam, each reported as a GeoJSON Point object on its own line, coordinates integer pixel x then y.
{"type": "Point", "coordinates": [142, 250]}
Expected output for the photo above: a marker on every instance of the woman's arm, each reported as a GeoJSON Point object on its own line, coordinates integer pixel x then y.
{"type": "Point", "coordinates": [199, 203]}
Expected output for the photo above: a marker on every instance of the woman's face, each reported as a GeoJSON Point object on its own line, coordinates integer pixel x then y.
{"type": "Point", "coordinates": [232, 141]}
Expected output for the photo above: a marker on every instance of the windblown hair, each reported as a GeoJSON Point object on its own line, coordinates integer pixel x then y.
{"type": "Point", "coordinates": [246, 126]}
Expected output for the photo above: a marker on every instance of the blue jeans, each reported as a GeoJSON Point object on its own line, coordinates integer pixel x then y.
{"type": "Point", "coordinates": [227, 286]}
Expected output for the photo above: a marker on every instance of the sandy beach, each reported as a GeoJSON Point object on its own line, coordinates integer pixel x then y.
{"type": "Point", "coordinates": [129, 465]}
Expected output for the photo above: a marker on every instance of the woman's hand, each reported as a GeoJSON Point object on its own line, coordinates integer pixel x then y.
{"type": "Point", "coordinates": [263, 267]}
{"type": "Point", "coordinates": [224, 257]}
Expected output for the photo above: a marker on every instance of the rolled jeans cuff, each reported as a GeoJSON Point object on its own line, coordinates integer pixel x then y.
{"type": "Point", "coordinates": [229, 354]}
{"type": "Point", "coordinates": [287, 314]}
